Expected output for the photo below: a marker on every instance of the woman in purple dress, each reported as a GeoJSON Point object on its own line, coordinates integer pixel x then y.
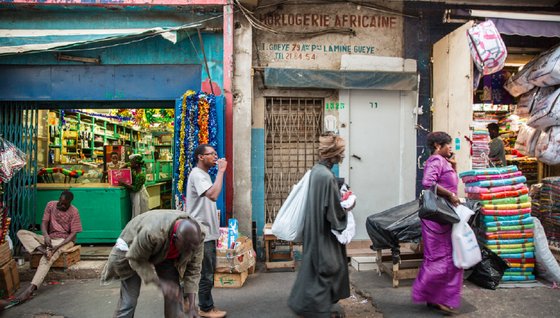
{"type": "Point", "coordinates": [439, 282]}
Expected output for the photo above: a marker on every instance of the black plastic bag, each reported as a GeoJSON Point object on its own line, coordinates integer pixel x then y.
{"type": "Point", "coordinates": [398, 224]}
{"type": "Point", "coordinates": [488, 273]}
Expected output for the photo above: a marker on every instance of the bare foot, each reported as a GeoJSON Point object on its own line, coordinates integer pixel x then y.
{"type": "Point", "coordinates": [41, 249]}
{"type": "Point", "coordinates": [26, 294]}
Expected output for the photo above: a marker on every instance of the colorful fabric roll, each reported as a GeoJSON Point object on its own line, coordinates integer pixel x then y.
{"type": "Point", "coordinates": [508, 236]}
{"type": "Point", "coordinates": [470, 179]}
{"type": "Point", "coordinates": [500, 170]}
{"type": "Point", "coordinates": [508, 223]}
{"type": "Point", "coordinates": [505, 212]}
{"type": "Point", "coordinates": [514, 200]}
{"type": "Point", "coordinates": [520, 267]}
{"type": "Point", "coordinates": [514, 241]}
{"type": "Point", "coordinates": [498, 195]}
{"type": "Point", "coordinates": [518, 278]}
{"type": "Point", "coordinates": [509, 246]}
{"type": "Point", "coordinates": [518, 255]}
{"type": "Point", "coordinates": [520, 260]}
{"type": "Point", "coordinates": [497, 183]}
{"type": "Point", "coordinates": [523, 205]}
{"type": "Point", "coordinates": [517, 271]}
{"type": "Point", "coordinates": [501, 252]}
{"type": "Point", "coordinates": [491, 218]}
{"type": "Point", "coordinates": [513, 187]}
{"type": "Point", "coordinates": [509, 228]}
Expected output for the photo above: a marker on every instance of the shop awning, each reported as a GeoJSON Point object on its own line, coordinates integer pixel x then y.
{"type": "Point", "coordinates": [527, 28]}
{"type": "Point", "coordinates": [343, 79]}
{"type": "Point", "coordinates": [20, 41]}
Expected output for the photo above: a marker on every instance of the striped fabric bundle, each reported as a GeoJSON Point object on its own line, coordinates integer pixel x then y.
{"type": "Point", "coordinates": [505, 212]}
{"type": "Point", "coordinates": [497, 182]}
{"type": "Point", "coordinates": [514, 187]}
{"type": "Point", "coordinates": [469, 179]}
{"type": "Point", "coordinates": [505, 217]}
{"type": "Point", "coordinates": [498, 195]}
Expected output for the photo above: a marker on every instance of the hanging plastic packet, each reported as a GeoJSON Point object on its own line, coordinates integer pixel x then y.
{"type": "Point", "coordinates": [12, 160]}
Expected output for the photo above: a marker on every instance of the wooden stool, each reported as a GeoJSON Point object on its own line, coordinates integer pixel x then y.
{"type": "Point", "coordinates": [66, 259]}
{"type": "Point", "coordinates": [399, 266]}
{"type": "Point", "coordinates": [274, 259]}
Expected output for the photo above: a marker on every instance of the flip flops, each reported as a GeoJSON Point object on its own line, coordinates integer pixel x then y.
{"type": "Point", "coordinates": [448, 311]}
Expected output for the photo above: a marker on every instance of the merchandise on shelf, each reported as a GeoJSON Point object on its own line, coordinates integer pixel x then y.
{"type": "Point", "coordinates": [506, 222]}
{"type": "Point", "coordinates": [549, 209]}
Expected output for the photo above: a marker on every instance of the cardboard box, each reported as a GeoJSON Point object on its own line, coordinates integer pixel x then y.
{"type": "Point", "coordinates": [5, 253]}
{"type": "Point", "coordinates": [116, 175]}
{"type": "Point", "coordinates": [238, 259]}
{"type": "Point", "coordinates": [230, 280]}
{"type": "Point", "coordinates": [9, 279]}
{"type": "Point", "coordinates": [66, 259]}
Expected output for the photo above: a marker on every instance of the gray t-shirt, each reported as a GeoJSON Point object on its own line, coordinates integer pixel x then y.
{"type": "Point", "coordinates": [497, 152]}
{"type": "Point", "coordinates": [199, 206]}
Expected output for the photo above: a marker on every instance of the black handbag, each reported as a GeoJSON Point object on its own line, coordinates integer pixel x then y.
{"type": "Point", "coordinates": [435, 208]}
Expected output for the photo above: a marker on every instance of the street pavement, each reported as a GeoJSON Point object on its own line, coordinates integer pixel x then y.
{"type": "Point", "coordinates": [476, 302]}
{"type": "Point", "coordinates": [265, 295]}
{"type": "Point", "coordinates": [262, 295]}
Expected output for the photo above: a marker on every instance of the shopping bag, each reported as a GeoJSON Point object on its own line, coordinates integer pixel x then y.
{"type": "Point", "coordinates": [435, 208]}
{"type": "Point", "coordinates": [487, 47]}
{"type": "Point", "coordinates": [466, 252]}
{"type": "Point", "coordinates": [288, 224]}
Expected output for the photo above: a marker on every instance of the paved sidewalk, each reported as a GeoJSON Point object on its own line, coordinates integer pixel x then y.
{"type": "Point", "coordinates": [263, 295]}
{"type": "Point", "coordinates": [476, 302]}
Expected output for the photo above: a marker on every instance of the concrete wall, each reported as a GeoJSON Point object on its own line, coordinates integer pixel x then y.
{"type": "Point", "coordinates": [356, 30]}
{"type": "Point", "coordinates": [242, 118]}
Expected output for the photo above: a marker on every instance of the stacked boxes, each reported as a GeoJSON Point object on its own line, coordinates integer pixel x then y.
{"type": "Point", "coordinates": [506, 217]}
{"type": "Point", "coordinates": [234, 264]}
{"type": "Point", "coordinates": [9, 276]}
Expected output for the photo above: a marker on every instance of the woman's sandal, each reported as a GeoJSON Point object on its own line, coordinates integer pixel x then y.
{"type": "Point", "coordinates": [448, 311]}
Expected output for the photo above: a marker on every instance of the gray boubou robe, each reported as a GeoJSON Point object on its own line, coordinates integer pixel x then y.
{"type": "Point", "coordinates": [322, 279]}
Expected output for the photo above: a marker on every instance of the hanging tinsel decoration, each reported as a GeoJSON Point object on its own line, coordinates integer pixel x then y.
{"type": "Point", "coordinates": [203, 109]}
{"type": "Point", "coordinates": [195, 123]}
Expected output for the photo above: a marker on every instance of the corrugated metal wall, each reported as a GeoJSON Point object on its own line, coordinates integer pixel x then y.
{"type": "Point", "coordinates": [18, 124]}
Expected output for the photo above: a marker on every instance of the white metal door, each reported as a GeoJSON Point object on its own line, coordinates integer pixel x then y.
{"type": "Point", "coordinates": [453, 92]}
{"type": "Point", "coordinates": [381, 154]}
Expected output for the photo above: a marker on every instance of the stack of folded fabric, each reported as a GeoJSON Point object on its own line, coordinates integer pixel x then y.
{"type": "Point", "coordinates": [480, 149]}
{"type": "Point", "coordinates": [506, 217]}
{"type": "Point", "coordinates": [550, 208]}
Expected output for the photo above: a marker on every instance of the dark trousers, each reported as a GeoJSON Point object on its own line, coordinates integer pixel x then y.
{"type": "Point", "coordinates": [205, 301]}
{"type": "Point", "coordinates": [130, 290]}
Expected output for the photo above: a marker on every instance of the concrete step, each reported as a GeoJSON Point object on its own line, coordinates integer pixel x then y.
{"type": "Point", "coordinates": [364, 263]}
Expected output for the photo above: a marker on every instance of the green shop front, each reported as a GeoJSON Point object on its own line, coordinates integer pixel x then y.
{"type": "Point", "coordinates": [115, 88]}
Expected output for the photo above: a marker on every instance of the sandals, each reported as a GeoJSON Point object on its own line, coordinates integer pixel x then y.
{"type": "Point", "coordinates": [448, 311]}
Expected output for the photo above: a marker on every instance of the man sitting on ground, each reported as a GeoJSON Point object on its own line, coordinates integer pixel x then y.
{"type": "Point", "coordinates": [61, 223]}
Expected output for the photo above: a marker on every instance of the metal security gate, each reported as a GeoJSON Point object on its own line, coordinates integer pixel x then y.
{"type": "Point", "coordinates": [292, 129]}
{"type": "Point", "coordinates": [18, 124]}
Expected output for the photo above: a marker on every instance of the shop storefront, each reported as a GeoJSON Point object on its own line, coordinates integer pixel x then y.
{"type": "Point", "coordinates": [521, 98]}
{"type": "Point", "coordinates": [74, 96]}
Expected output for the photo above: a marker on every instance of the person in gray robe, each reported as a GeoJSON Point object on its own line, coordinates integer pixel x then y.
{"type": "Point", "coordinates": [322, 279]}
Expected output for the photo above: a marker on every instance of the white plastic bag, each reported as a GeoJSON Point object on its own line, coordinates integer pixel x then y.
{"type": "Point", "coordinates": [288, 224]}
{"type": "Point", "coordinates": [466, 252]}
{"type": "Point", "coordinates": [547, 266]}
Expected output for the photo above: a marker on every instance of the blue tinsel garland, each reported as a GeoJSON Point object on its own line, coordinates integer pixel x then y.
{"type": "Point", "coordinates": [191, 137]}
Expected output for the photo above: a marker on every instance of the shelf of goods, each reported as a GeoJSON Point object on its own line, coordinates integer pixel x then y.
{"type": "Point", "coordinates": [76, 137]}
